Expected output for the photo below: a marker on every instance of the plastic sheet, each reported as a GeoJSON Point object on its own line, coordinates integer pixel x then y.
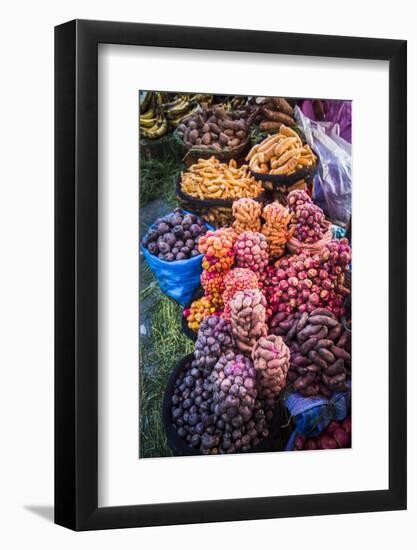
{"type": "Point", "coordinates": [313, 414]}
{"type": "Point", "coordinates": [332, 111]}
{"type": "Point", "coordinates": [333, 179]}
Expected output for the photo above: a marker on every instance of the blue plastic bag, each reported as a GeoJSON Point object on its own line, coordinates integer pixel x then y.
{"type": "Point", "coordinates": [178, 279]}
{"type": "Point", "coordinates": [312, 415]}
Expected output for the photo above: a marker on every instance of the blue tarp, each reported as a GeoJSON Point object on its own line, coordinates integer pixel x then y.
{"type": "Point", "coordinates": [312, 415]}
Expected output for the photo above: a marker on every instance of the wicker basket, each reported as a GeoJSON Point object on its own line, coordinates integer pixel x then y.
{"type": "Point", "coordinates": [191, 156]}
{"type": "Point", "coordinates": [216, 212]}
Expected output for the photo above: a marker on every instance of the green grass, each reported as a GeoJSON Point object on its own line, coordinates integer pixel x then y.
{"type": "Point", "coordinates": [157, 179]}
{"type": "Point", "coordinates": [159, 353]}
{"type": "Point", "coordinates": [165, 344]}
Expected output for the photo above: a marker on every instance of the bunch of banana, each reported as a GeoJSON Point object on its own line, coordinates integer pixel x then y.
{"type": "Point", "coordinates": [152, 122]}
{"type": "Point", "coordinates": [179, 108]}
{"type": "Point", "coordinates": [236, 102]}
{"type": "Point", "coordinates": [202, 98]}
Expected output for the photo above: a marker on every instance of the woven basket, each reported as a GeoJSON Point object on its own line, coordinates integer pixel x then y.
{"type": "Point", "coordinates": [216, 212]}
{"type": "Point", "coordinates": [191, 156]}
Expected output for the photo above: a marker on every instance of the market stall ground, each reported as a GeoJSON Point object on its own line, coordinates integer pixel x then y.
{"type": "Point", "coordinates": [162, 339]}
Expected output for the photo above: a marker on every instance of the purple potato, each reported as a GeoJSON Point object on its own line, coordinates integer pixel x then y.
{"type": "Point", "coordinates": [164, 247]}
{"type": "Point", "coordinates": [194, 253]}
{"type": "Point", "coordinates": [178, 231]}
{"type": "Point", "coordinates": [170, 239]}
{"type": "Point", "coordinates": [180, 256]}
{"type": "Point", "coordinates": [187, 221]}
{"type": "Point", "coordinates": [169, 257]}
{"type": "Point", "coordinates": [195, 230]}
{"type": "Point", "coordinates": [153, 234]}
{"type": "Point", "coordinates": [162, 228]}
{"type": "Point", "coordinates": [153, 248]}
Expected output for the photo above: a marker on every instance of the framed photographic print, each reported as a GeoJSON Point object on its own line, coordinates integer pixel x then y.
{"type": "Point", "coordinates": [230, 275]}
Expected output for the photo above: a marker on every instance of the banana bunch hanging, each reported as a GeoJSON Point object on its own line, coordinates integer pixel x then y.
{"type": "Point", "coordinates": [152, 121]}
{"type": "Point", "coordinates": [180, 107]}
{"type": "Point", "coordinates": [161, 111]}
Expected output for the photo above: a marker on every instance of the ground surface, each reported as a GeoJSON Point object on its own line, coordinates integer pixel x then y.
{"type": "Point", "coordinates": [162, 343]}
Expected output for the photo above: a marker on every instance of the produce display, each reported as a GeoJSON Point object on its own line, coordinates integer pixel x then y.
{"type": "Point", "coordinates": [175, 236]}
{"type": "Point", "coordinates": [215, 408]}
{"type": "Point", "coordinates": [161, 111]}
{"type": "Point", "coordinates": [320, 351]}
{"type": "Point", "coordinates": [271, 358]}
{"type": "Point", "coordinates": [337, 435]}
{"type": "Point", "coordinates": [212, 179]}
{"type": "Point", "coordinates": [198, 311]}
{"type": "Point", "coordinates": [214, 127]}
{"type": "Point", "coordinates": [276, 228]}
{"type": "Point", "coordinates": [273, 111]}
{"type": "Point", "coordinates": [251, 251]}
{"type": "Point", "coordinates": [214, 285]}
{"type": "Point", "coordinates": [247, 215]}
{"type": "Point", "coordinates": [248, 319]}
{"type": "Point", "coordinates": [310, 228]}
{"type": "Point", "coordinates": [152, 120]}
{"type": "Point", "coordinates": [214, 339]}
{"type": "Point", "coordinates": [237, 279]}
{"type": "Point", "coordinates": [303, 283]}
{"type": "Point", "coordinates": [217, 247]}
{"type": "Point", "coordinates": [258, 268]}
{"type": "Point", "coordinates": [280, 154]}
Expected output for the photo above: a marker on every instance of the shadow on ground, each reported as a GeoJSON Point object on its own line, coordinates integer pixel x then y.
{"type": "Point", "coordinates": [45, 512]}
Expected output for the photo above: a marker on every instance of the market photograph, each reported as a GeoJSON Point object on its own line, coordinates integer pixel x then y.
{"type": "Point", "coordinates": [245, 209]}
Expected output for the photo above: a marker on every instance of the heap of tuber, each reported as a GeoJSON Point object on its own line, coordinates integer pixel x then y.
{"type": "Point", "coordinates": [248, 319]}
{"type": "Point", "coordinates": [276, 228]}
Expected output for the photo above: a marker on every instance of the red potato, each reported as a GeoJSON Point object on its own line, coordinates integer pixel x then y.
{"type": "Point", "coordinates": [332, 427]}
{"type": "Point", "coordinates": [347, 425]}
{"type": "Point", "coordinates": [310, 445]}
{"type": "Point", "coordinates": [342, 438]}
{"type": "Point", "coordinates": [299, 443]}
{"type": "Point", "coordinates": [328, 442]}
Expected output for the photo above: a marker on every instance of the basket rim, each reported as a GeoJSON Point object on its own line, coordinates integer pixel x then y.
{"type": "Point", "coordinates": [227, 203]}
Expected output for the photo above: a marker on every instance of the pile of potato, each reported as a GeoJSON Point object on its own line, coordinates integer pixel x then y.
{"type": "Point", "coordinates": [273, 111]}
{"type": "Point", "coordinates": [280, 154]}
{"type": "Point", "coordinates": [248, 318]}
{"type": "Point", "coordinates": [320, 352]}
{"type": "Point", "coordinates": [276, 228]}
{"type": "Point", "coordinates": [214, 127]}
{"type": "Point", "coordinates": [212, 179]}
{"type": "Point", "coordinates": [271, 359]}
{"type": "Point", "coordinates": [247, 215]}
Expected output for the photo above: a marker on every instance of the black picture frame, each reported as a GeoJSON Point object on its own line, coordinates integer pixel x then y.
{"type": "Point", "coordinates": [76, 270]}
